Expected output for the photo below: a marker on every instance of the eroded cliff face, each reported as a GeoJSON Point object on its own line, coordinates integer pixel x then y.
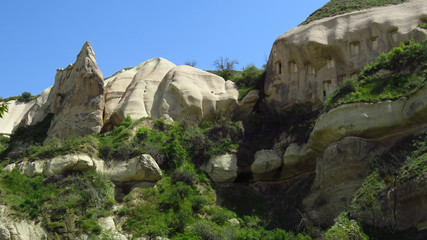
{"type": "Point", "coordinates": [309, 62]}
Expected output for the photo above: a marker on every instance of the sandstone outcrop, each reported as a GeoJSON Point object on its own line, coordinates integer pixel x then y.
{"type": "Point", "coordinates": [298, 159]}
{"type": "Point", "coordinates": [309, 62]}
{"type": "Point", "coordinates": [38, 111]}
{"type": "Point", "coordinates": [265, 161]}
{"type": "Point", "coordinates": [16, 111]}
{"type": "Point", "coordinates": [11, 229]}
{"type": "Point", "coordinates": [222, 169]}
{"type": "Point", "coordinates": [339, 173]}
{"type": "Point", "coordinates": [370, 120]}
{"type": "Point", "coordinates": [193, 95]}
{"type": "Point", "coordinates": [135, 89]}
{"type": "Point", "coordinates": [346, 138]}
{"type": "Point", "coordinates": [138, 169]}
{"type": "Point", "coordinates": [246, 105]}
{"type": "Point", "coordinates": [57, 165]}
{"type": "Point", "coordinates": [77, 98]}
{"type": "Point", "coordinates": [142, 168]}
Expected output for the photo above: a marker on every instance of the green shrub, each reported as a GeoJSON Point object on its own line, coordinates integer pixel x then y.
{"type": "Point", "coordinates": [25, 97]}
{"type": "Point", "coordinates": [345, 229]}
{"type": "Point", "coordinates": [220, 215]}
{"type": "Point", "coordinates": [86, 196]}
{"type": "Point", "coordinates": [23, 137]}
{"type": "Point", "coordinates": [337, 7]}
{"type": "Point", "coordinates": [398, 73]}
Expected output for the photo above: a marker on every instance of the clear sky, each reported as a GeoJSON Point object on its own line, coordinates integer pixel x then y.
{"type": "Point", "coordinates": [38, 37]}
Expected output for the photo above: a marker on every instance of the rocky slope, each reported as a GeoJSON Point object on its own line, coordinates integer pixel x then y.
{"type": "Point", "coordinates": [290, 182]}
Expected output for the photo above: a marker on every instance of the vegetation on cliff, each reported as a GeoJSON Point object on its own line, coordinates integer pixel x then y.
{"type": "Point", "coordinates": [398, 73]}
{"type": "Point", "coordinates": [337, 7]}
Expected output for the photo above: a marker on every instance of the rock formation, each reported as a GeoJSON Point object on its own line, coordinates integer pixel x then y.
{"type": "Point", "coordinates": [222, 169]}
{"type": "Point", "coordinates": [136, 97]}
{"type": "Point", "coordinates": [265, 161]}
{"type": "Point", "coordinates": [16, 111]}
{"type": "Point", "coordinates": [190, 94]}
{"type": "Point", "coordinates": [309, 62]}
{"type": "Point", "coordinates": [12, 229]}
{"type": "Point", "coordinates": [77, 98]}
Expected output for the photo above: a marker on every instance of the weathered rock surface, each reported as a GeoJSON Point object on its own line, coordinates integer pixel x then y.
{"type": "Point", "coordinates": [108, 225]}
{"type": "Point", "coordinates": [190, 94]}
{"type": "Point", "coordinates": [77, 98]}
{"type": "Point", "coordinates": [247, 104]}
{"type": "Point", "coordinates": [38, 111]}
{"type": "Point", "coordinates": [16, 111]}
{"type": "Point", "coordinates": [142, 168]}
{"type": "Point", "coordinates": [266, 160]}
{"type": "Point", "coordinates": [12, 229]}
{"type": "Point", "coordinates": [138, 169]}
{"type": "Point", "coordinates": [309, 62]}
{"type": "Point", "coordinates": [370, 120]}
{"type": "Point", "coordinates": [57, 165]}
{"type": "Point", "coordinates": [135, 89]}
{"type": "Point", "coordinates": [339, 173]}
{"type": "Point", "coordinates": [298, 159]}
{"type": "Point", "coordinates": [222, 169]}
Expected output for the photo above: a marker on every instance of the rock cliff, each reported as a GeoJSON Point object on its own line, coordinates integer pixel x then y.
{"type": "Point", "coordinates": [309, 62]}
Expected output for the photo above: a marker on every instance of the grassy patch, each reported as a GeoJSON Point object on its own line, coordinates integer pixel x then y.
{"type": "Point", "coordinates": [398, 73]}
{"type": "Point", "coordinates": [404, 162]}
{"type": "Point", "coordinates": [337, 7]}
{"type": "Point", "coordinates": [184, 208]}
{"type": "Point", "coordinates": [344, 228]}
{"type": "Point", "coordinates": [50, 200]}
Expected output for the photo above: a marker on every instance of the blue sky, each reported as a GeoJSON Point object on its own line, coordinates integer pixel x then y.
{"type": "Point", "coordinates": [38, 37]}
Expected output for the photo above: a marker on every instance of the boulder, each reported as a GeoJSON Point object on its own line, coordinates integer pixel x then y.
{"type": "Point", "coordinates": [190, 94]}
{"type": "Point", "coordinates": [265, 161]}
{"type": "Point", "coordinates": [138, 169]}
{"type": "Point", "coordinates": [222, 169]}
{"type": "Point", "coordinates": [298, 159]}
{"type": "Point", "coordinates": [309, 62]}
{"type": "Point", "coordinates": [70, 162]}
{"type": "Point", "coordinates": [131, 92]}
{"type": "Point", "coordinates": [77, 98]}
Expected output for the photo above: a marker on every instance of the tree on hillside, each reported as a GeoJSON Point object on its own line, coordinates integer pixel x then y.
{"type": "Point", "coordinates": [25, 97]}
{"type": "Point", "coordinates": [192, 63]}
{"type": "Point", "coordinates": [225, 67]}
{"type": "Point", "coordinates": [3, 109]}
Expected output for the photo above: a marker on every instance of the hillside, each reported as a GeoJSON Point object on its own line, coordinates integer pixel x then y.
{"type": "Point", "coordinates": [329, 142]}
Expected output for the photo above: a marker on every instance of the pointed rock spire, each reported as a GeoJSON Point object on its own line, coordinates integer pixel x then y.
{"type": "Point", "coordinates": [77, 98]}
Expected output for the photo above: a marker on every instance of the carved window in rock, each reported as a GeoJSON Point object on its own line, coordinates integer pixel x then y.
{"type": "Point", "coordinates": [374, 43]}
{"type": "Point", "coordinates": [326, 88]}
{"type": "Point", "coordinates": [278, 66]}
{"type": "Point", "coordinates": [310, 69]}
{"type": "Point", "coordinates": [330, 62]}
{"type": "Point", "coordinates": [293, 67]}
{"type": "Point", "coordinates": [354, 48]}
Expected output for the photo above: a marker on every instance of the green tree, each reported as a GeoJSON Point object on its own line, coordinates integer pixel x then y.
{"type": "Point", "coordinates": [25, 97]}
{"type": "Point", "coordinates": [3, 109]}
{"type": "Point", "coordinates": [225, 67]}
